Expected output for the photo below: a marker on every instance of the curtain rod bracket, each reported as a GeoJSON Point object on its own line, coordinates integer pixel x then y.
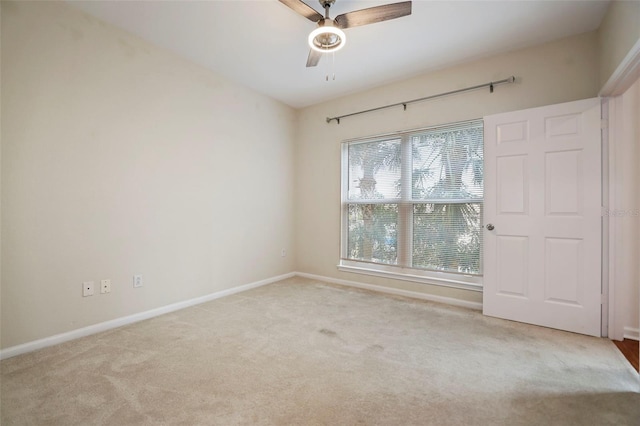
{"type": "Point", "coordinates": [491, 88]}
{"type": "Point", "coordinates": [405, 106]}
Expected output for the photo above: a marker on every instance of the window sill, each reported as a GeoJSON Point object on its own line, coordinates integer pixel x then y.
{"type": "Point", "coordinates": [464, 282]}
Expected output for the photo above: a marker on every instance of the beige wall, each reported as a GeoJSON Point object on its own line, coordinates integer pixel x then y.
{"type": "Point", "coordinates": [119, 158]}
{"type": "Point", "coordinates": [561, 71]}
{"type": "Point", "coordinates": [618, 32]}
{"type": "Point", "coordinates": [0, 178]}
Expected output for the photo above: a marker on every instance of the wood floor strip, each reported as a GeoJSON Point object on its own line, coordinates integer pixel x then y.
{"type": "Point", "coordinates": [629, 349]}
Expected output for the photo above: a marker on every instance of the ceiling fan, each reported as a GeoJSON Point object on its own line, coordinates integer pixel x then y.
{"type": "Point", "coordinates": [328, 36]}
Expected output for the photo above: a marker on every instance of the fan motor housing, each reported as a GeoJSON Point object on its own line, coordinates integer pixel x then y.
{"type": "Point", "coordinates": [326, 3]}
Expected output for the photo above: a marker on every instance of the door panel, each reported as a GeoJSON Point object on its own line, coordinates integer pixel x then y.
{"type": "Point", "coordinates": [563, 183]}
{"type": "Point", "coordinates": [512, 185]}
{"type": "Point", "coordinates": [513, 264]}
{"type": "Point", "coordinates": [563, 260]}
{"type": "Point", "coordinates": [543, 195]}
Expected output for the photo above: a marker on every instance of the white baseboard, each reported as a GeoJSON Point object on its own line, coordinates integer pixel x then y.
{"type": "Point", "coordinates": [398, 292]}
{"type": "Point", "coordinates": [632, 333]}
{"type": "Point", "coordinates": [130, 319]}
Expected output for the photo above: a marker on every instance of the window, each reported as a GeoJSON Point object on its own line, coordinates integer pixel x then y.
{"type": "Point", "coordinates": [412, 205]}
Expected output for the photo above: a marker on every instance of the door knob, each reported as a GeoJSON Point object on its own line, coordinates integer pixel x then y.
{"type": "Point", "coordinates": [490, 227]}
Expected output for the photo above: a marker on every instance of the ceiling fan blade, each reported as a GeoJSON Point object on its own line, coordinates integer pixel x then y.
{"type": "Point", "coordinates": [314, 57]}
{"type": "Point", "coordinates": [373, 14]}
{"type": "Point", "coordinates": [303, 9]}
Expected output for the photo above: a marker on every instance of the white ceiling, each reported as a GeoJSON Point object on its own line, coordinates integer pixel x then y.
{"type": "Point", "coordinates": [262, 44]}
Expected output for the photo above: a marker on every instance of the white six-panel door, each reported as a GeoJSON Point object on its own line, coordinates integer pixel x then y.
{"type": "Point", "coordinates": [542, 259]}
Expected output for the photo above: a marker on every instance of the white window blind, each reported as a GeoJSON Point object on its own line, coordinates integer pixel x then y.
{"type": "Point", "coordinates": [414, 200]}
{"type": "Point", "coordinates": [374, 173]}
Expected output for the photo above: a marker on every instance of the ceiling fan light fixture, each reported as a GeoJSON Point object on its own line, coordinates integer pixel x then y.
{"type": "Point", "coordinates": [327, 38]}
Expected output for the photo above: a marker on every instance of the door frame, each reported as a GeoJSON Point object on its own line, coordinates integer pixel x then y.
{"type": "Point", "coordinates": [625, 75]}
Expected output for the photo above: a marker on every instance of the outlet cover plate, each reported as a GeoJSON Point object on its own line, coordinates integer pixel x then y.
{"type": "Point", "coordinates": [137, 281]}
{"type": "Point", "coordinates": [87, 288]}
{"type": "Point", "coordinates": [105, 286]}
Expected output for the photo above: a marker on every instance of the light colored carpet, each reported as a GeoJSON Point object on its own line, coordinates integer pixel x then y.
{"type": "Point", "coordinates": [301, 352]}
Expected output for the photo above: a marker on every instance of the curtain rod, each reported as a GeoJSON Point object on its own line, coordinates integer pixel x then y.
{"type": "Point", "coordinates": [490, 85]}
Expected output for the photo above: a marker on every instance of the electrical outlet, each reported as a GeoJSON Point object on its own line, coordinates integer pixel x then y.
{"type": "Point", "coordinates": [87, 288]}
{"type": "Point", "coordinates": [105, 286]}
{"type": "Point", "coordinates": [137, 281]}
{"type": "Point", "coordinates": [283, 253]}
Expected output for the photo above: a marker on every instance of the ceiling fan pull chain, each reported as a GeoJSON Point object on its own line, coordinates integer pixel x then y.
{"type": "Point", "coordinates": [333, 65]}
{"type": "Point", "coordinates": [326, 78]}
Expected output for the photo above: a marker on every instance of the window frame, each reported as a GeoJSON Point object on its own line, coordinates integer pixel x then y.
{"type": "Point", "coordinates": [405, 220]}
